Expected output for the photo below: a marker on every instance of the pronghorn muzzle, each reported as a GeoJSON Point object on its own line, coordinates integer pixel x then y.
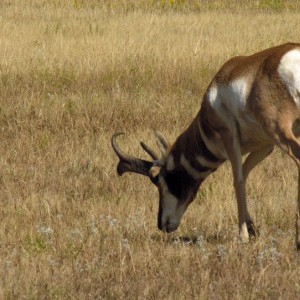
{"type": "Point", "coordinates": [128, 163]}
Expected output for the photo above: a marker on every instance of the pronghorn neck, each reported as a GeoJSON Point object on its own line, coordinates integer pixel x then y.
{"type": "Point", "coordinates": [191, 154]}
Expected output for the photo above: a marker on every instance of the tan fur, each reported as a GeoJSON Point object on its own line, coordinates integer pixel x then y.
{"type": "Point", "coordinates": [251, 105]}
{"type": "Point", "coordinates": [247, 108]}
{"type": "Point", "coordinates": [272, 114]}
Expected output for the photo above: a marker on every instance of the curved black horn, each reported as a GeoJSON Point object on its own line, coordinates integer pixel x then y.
{"type": "Point", "coordinates": [127, 162]}
{"type": "Point", "coordinates": [152, 153]}
{"type": "Point", "coordinates": [162, 142]}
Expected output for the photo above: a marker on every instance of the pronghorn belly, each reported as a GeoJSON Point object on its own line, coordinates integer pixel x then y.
{"type": "Point", "coordinates": [289, 72]}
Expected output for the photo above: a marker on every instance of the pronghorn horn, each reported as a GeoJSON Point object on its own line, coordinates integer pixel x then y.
{"type": "Point", "coordinates": [127, 162]}
{"type": "Point", "coordinates": [162, 142]}
{"type": "Point", "coordinates": [149, 151]}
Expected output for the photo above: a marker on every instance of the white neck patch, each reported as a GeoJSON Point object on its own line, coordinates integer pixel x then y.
{"type": "Point", "coordinates": [192, 171]}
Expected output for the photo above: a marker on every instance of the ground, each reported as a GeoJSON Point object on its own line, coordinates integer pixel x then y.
{"type": "Point", "coordinates": [71, 74]}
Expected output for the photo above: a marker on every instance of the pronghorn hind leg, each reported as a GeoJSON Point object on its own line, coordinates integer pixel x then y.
{"type": "Point", "coordinates": [252, 160]}
{"type": "Point", "coordinates": [291, 145]}
{"type": "Point", "coordinates": [298, 215]}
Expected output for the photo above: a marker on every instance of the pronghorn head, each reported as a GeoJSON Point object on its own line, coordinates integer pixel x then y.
{"type": "Point", "coordinates": [176, 187]}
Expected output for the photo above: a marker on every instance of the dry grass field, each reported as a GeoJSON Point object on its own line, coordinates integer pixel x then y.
{"type": "Point", "coordinates": [74, 72]}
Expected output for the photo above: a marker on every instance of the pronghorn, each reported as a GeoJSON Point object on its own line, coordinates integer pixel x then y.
{"type": "Point", "coordinates": [251, 105]}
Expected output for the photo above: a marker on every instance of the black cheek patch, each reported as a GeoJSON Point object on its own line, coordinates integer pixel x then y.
{"type": "Point", "coordinates": [155, 179]}
{"type": "Point", "coordinates": [178, 183]}
{"type": "Point", "coordinates": [174, 184]}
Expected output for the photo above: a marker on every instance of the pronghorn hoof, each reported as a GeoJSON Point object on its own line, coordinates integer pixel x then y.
{"type": "Point", "coordinates": [244, 240]}
{"type": "Point", "coordinates": [298, 246]}
{"type": "Point", "coordinates": [252, 230]}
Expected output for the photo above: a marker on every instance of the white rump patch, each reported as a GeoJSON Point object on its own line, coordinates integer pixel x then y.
{"type": "Point", "coordinates": [289, 71]}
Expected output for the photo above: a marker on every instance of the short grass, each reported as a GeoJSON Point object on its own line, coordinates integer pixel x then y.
{"type": "Point", "coordinates": [73, 73]}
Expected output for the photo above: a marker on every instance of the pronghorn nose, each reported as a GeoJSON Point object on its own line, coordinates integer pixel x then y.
{"type": "Point", "coordinates": [168, 226]}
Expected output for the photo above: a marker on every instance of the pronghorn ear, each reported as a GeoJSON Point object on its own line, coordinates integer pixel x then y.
{"type": "Point", "coordinates": [153, 174]}
{"type": "Point", "coordinates": [162, 143]}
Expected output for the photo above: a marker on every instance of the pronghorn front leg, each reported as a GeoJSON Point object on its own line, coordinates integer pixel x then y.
{"type": "Point", "coordinates": [233, 148]}
{"type": "Point", "coordinates": [252, 160]}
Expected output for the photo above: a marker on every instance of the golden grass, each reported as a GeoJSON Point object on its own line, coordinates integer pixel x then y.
{"type": "Point", "coordinates": [71, 74]}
